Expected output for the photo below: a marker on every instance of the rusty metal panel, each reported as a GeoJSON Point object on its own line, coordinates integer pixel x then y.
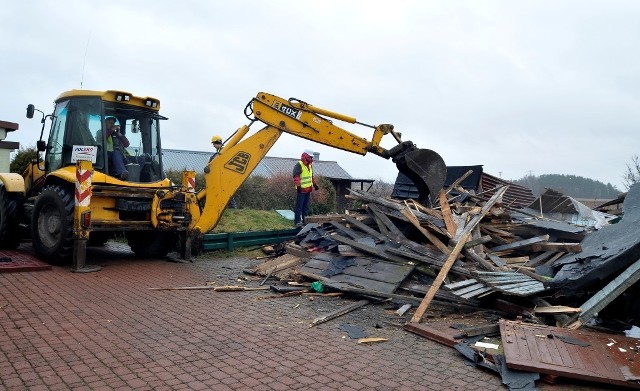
{"type": "Point", "coordinates": [556, 351]}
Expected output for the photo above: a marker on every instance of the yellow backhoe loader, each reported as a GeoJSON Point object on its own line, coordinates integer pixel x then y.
{"type": "Point", "coordinates": [155, 215]}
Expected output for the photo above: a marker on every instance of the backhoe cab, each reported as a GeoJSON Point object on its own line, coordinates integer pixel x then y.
{"type": "Point", "coordinates": [155, 215]}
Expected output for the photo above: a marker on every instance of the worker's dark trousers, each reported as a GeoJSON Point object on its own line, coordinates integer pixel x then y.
{"type": "Point", "coordinates": [302, 207]}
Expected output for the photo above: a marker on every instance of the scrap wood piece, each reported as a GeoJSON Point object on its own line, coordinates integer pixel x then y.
{"type": "Point", "coordinates": [225, 288]}
{"type": "Point", "coordinates": [423, 209]}
{"type": "Point", "coordinates": [480, 240]}
{"type": "Point", "coordinates": [347, 251]}
{"type": "Point", "coordinates": [446, 213]}
{"type": "Point", "coordinates": [275, 266]}
{"type": "Point", "coordinates": [474, 331]}
{"type": "Point", "coordinates": [391, 227]}
{"type": "Point", "coordinates": [521, 243]}
{"type": "Point", "coordinates": [459, 181]}
{"type": "Point", "coordinates": [462, 237]}
{"type": "Point", "coordinates": [564, 247]}
{"type": "Point", "coordinates": [607, 294]}
{"type": "Point", "coordinates": [556, 309]}
{"type": "Point", "coordinates": [535, 276]}
{"type": "Point", "coordinates": [496, 231]}
{"type": "Point", "coordinates": [365, 228]}
{"type": "Point", "coordinates": [374, 199]}
{"type": "Point", "coordinates": [458, 269]}
{"type": "Point", "coordinates": [431, 237]}
{"type": "Point", "coordinates": [539, 258]}
{"type": "Point", "coordinates": [367, 249]}
{"type": "Point", "coordinates": [283, 295]}
{"type": "Point", "coordinates": [372, 339]}
{"type": "Point", "coordinates": [471, 255]}
{"type": "Point", "coordinates": [341, 311]}
{"type": "Point", "coordinates": [345, 287]}
{"type": "Point", "coordinates": [439, 280]}
{"type": "Point", "coordinates": [347, 231]}
{"type": "Point", "coordinates": [298, 251]}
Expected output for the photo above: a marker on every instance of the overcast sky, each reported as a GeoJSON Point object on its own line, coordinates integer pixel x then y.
{"type": "Point", "coordinates": [521, 87]}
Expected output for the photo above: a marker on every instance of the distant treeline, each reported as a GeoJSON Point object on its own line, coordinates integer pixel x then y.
{"type": "Point", "coordinates": [571, 185]}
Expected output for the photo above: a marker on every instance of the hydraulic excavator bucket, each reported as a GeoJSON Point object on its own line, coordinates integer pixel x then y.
{"type": "Point", "coordinates": [427, 170]}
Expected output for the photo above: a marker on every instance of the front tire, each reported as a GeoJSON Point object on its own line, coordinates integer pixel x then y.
{"type": "Point", "coordinates": [9, 216]}
{"type": "Point", "coordinates": [52, 224]}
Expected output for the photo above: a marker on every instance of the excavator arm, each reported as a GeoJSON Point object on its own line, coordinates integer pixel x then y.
{"type": "Point", "coordinates": [232, 166]}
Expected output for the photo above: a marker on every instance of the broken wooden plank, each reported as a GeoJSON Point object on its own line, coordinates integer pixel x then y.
{"type": "Point", "coordinates": [439, 279]}
{"type": "Point", "coordinates": [391, 227]}
{"type": "Point", "coordinates": [298, 251]}
{"type": "Point", "coordinates": [345, 230]}
{"type": "Point", "coordinates": [458, 181]}
{"type": "Point", "coordinates": [564, 247]}
{"type": "Point", "coordinates": [378, 252]}
{"type": "Point", "coordinates": [486, 330]}
{"type": "Point", "coordinates": [446, 213]}
{"type": "Point", "coordinates": [372, 340]}
{"type": "Point", "coordinates": [539, 259]}
{"type": "Point", "coordinates": [225, 288]}
{"type": "Point", "coordinates": [365, 228]}
{"type": "Point", "coordinates": [462, 237]}
{"type": "Point", "coordinates": [607, 294]}
{"type": "Point", "coordinates": [461, 270]}
{"type": "Point", "coordinates": [341, 311]}
{"type": "Point", "coordinates": [556, 309]}
{"type": "Point", "coordinates": [521, 243]}
{"type": "Point", "coordinates": [431, 237]}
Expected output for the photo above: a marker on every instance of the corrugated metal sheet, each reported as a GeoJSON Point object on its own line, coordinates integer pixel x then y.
{"type": "Point", "coordinates": [176, 159]}
{"type": "Point", "coordinates": [516, 196]}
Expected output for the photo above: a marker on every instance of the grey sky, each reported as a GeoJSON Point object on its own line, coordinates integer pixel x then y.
{"type": "Point", "coordinates": [518, 86]}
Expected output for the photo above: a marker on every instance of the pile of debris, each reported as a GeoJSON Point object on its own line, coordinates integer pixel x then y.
{"type": "Point", "coordinates": [470, 252]}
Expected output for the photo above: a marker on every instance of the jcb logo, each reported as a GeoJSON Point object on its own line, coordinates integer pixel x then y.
{"type": "Point", "coordinates": [238, 163]}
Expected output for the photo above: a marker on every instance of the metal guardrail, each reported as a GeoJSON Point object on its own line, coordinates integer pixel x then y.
{"type": "Point", "coordinates": [232, 240]}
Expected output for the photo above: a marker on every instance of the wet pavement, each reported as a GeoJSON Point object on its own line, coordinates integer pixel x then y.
{"type": "Point", "coordinates": [108, 331]}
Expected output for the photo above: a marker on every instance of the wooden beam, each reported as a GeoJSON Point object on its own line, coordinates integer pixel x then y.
{"type": "Point", "coordinates": [446, 213]}
{"type": "Point", "coordinates": [431, 237]}
{"type": "Point", "coordinates": [459, 181]}
{"type": "Point", "coordinates": [438, 281]}
{"type": "Point", "coordinates": [462, 238]}
{"type": "Point", "coordinates": [393, 229]}
{"type": "Point", "coordinates": [521, 243]}
{"type": "Point", "coordinates": [564, 247]}
{"type": "Point", "coordinates": [341, 311]}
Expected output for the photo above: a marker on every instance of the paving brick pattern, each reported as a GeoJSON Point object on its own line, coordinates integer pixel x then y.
{"type": "Point", "coordinates": [107, 331]}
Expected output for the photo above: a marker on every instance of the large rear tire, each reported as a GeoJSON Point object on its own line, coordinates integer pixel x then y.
{"type": "Point", "coordinates": [52, 224]}
{"type": "Point", "coordinates": [152, 244]}
{"type": "Point", "coordinates": [9, 219]}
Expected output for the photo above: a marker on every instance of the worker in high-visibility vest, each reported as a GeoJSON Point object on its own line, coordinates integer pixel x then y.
{"type": "Point", "coordinates": [305, 183]}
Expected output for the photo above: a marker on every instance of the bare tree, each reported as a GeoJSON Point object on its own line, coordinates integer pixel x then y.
{"type": "Point", "coordinates": [633, 172]}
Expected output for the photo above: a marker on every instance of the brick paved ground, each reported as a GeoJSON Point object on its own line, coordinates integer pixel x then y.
{"type": "Point", "coordinates": [102, 331]}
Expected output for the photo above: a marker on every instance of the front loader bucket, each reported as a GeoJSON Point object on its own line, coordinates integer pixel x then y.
{"type": "Point", "coordinates": [426, 169]}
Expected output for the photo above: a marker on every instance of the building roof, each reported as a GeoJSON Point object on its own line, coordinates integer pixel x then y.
{"type": "Point", "coordinates": [178, 160]}
{"type": "Point", "coordinates": [516, 196]}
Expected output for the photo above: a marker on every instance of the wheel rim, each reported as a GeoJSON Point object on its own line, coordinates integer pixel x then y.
{"type": "Point", "coordinates": [50, 225]}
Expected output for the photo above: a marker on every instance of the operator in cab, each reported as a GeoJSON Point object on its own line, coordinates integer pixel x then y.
{"type": "Point", "coordinates": [116, 142]}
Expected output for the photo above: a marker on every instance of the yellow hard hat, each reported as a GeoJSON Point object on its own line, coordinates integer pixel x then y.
{"type": "Point", "coordinates": [216, 139]}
